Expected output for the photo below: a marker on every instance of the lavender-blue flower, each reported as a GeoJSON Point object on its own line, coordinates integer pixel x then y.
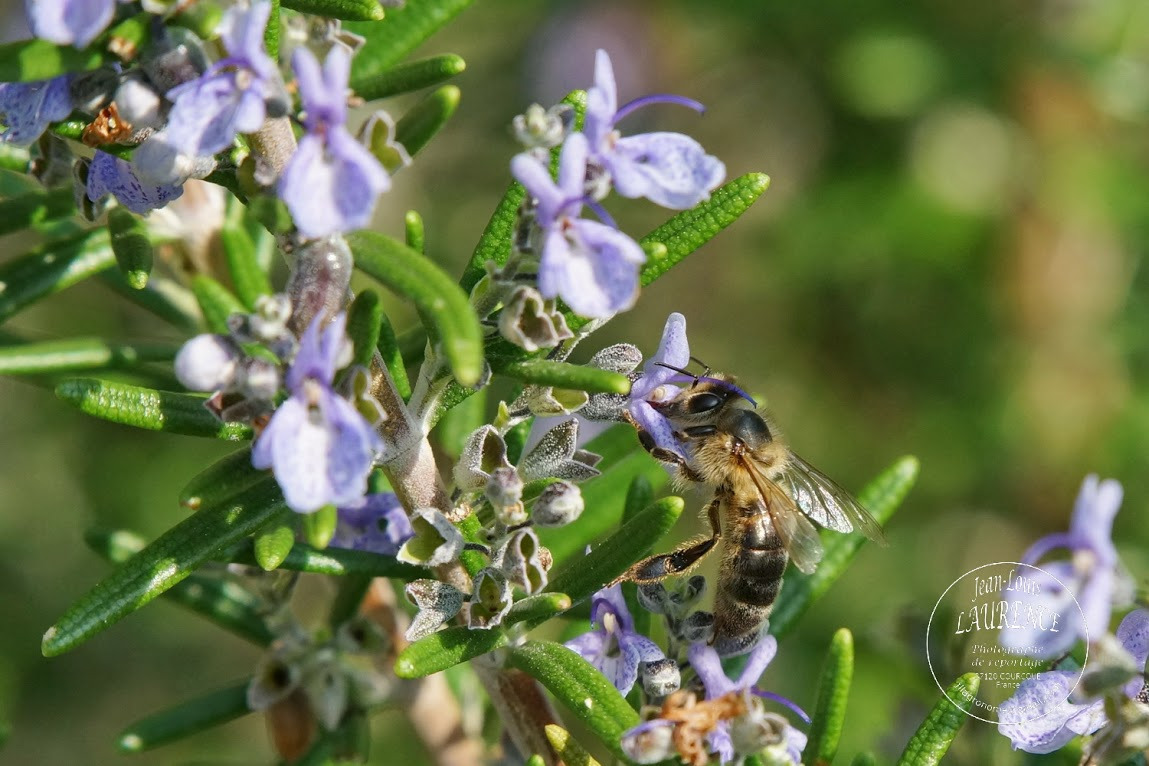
{"type": "Point", "coordinates": [669, 169]}
{"type": "Point", "coordinates": [613, 647]}
{"type": "Point", "coordinates": [317, 444]}
{"type": "Point", "coordinates": [331, 182]}
{"type": "Point", "coordinates": [69, 22]}
{"type": "Point", "coordinates": [590, 265]}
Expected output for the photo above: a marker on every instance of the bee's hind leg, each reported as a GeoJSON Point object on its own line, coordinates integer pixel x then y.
{"type": "Point", "coordinates": [678, 561]}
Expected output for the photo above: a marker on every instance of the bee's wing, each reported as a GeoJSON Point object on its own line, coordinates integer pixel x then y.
{"type": "Point", "coordinates": [825, 502]}
{"type": "Point", "coordinates": [797, 534]}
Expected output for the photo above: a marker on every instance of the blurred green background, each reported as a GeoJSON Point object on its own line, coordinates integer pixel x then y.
{"type": "Point", "coordinates": [947, 264]}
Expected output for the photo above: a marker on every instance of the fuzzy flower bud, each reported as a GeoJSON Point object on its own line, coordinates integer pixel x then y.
{"type": "Point", "coordinates": [207, 363]}
{"type": "Point", "coordinates": [661, 677]}
{"type": "Point", "coordinates": [558, 505]}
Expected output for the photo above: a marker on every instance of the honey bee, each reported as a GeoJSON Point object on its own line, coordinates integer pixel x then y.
{"type": "Point", "coordinates": [765, 497]}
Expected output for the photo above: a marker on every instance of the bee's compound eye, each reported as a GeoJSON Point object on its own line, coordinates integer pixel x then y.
{"type": "Point", "coordinates": [704, 402]}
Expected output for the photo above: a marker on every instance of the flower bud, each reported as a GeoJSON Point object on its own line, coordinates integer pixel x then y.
{"type": "Point", "coordinates": [661, 677]}
{"type": "Point", "coordinates": [504, 490]}
{"type": "Point", "coordinates": [138, 103]}
{"type": "Point", "coordinates": [175, 56]}
{"type": "Point", "coordinates": [543, 128]}
{"type": "Point", "coordinates": [558, 505]}
{"type": "Point", "coordinates": [697, 627]}
{"type": "Point", "coordinates": [207, 363]}
{"type": "Point", "coordinates": [258, 378]}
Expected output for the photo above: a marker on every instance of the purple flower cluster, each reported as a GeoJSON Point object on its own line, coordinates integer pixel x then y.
{"type": "Point", "coordinates": [591, 264]}
{"type": "Point", "coordinates": [183, 111]}
{"type": "Point", "coordinates": [613, 647]}
{"type": "Point", "coordinates": [1041, 716]}
{"type": "Point", "coordinates": [754, 731]}
{"type": "Point", "coordinates": [318, 445]}
{"type": "Point", "coordinates": [1092, 576]}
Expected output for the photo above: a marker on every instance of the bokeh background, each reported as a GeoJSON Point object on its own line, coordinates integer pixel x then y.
{"type": "Point", "coordinates": [948, 264]}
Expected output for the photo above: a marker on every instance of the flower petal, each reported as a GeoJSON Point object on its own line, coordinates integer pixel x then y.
{"type": "Point", "coordinates": [673, 349]}
{"type": "Point", "coordinates": [108, 174]}
{"type": "Point", "coordinates": [601, 102]}
{"type": "Point", "coordinates": [708, 666]}
{"type": "Point", "coordinates": [26, 108]}
{"type": "Point", "coordinates": [756, 663]}
{"type": "Point", "coordinates": [669, 169]}
{"type": "Point", "coordinates": [1039, 718]}
{"type": "Point", "coordinates": [69, 22]}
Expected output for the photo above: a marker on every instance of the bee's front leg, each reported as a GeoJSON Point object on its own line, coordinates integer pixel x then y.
{"type": "Point", "coordinates": [663, 455]}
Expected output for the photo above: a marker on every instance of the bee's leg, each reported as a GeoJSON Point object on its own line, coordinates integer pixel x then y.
{"type": "Point", "coordinates": [678, 561]}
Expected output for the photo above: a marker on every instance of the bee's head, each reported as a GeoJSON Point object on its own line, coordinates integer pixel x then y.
{"type": "Point", "coordinates": [705, 398]}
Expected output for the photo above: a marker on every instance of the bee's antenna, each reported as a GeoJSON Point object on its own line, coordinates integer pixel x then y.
{"type": "Point", "coordinates": [705, 367]}
{"type": "Point", "coordinates": [676, 369]}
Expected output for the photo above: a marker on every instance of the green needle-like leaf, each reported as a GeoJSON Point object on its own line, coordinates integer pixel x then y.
{"type": "Point", "coordinates": [582, 576]}
{"type": "Point", "coordinates": [563, 375]}
{"type": "Point", "coordinates": [691, 229]}
{"type": "Point", "coordinates": [536, 760]}
{"type": "Point", "coordinates": [185, 719]}
{"type": "Point", "coordinates": [334, 561]}
{"type": "Point", "coordinates": [148, 408]}
{"type": "Point", "coordinates": [566, 748]}
{"type": "Point", "coordinates": [243, 264]}
{"type": "Point", "coordinates": [390, 41]}
{"type": "Point", "coordinates": [218, 599]}
{"type": "Point", "coordinates": [364, 318]}
{"type": "Point", "coordinates": [392, 355]}
{"type": "Point", "coordinates": [864, 759]}
{"type": "Point", "coordinates": [830, 710]}
{"type": "Point", "coordinates": [226, 477]}
{"type": "Point", "coordinates": [409, 77]}
{"type": "Point", "coordinates": [271, 32]}
{"type": "Point", "coordinates": [538, 608]}
{"type": "Point", "coordinates": [77, 354]}
{"type": "Point", "coordinates": [131, 246]}
{"type": "Point", "coordinates": [350, 594]}
{"type": "Point", "coordinates": [437, 297]}
{"type": "Point", "coordinates": [414, 233]}
{"type": "Point", "coordinates": [349, 10]}
{"type": "Point", "coordinates": [882, 496]}
{"type": "Point", "coordinates": [169, 301]}
{"type": "Point", "coordinates": [446, 649]}
{"type": "Point", "coordinates": [639, 495]}
{"type": "Point", "coordinates": [580, 687]}
{"type": "Point", "coordinates": [28, 210]}
{"type": "Point", "coordinates": [51, 268]}
{"type": "Point", "coordinates": [216, 302]}
{"type": "Point", "coordinates": [422, 121]}
{"type": "Point", "coordinates": [273, 543]}
{"type": "Point", "coordinates": [30, 60]}
{"type": "Point", "coordinates": [319, 526]}
{"type": "Point", "coordinates": [932, 739]}
{"type": "Point", "coordinates": [163, 563]}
